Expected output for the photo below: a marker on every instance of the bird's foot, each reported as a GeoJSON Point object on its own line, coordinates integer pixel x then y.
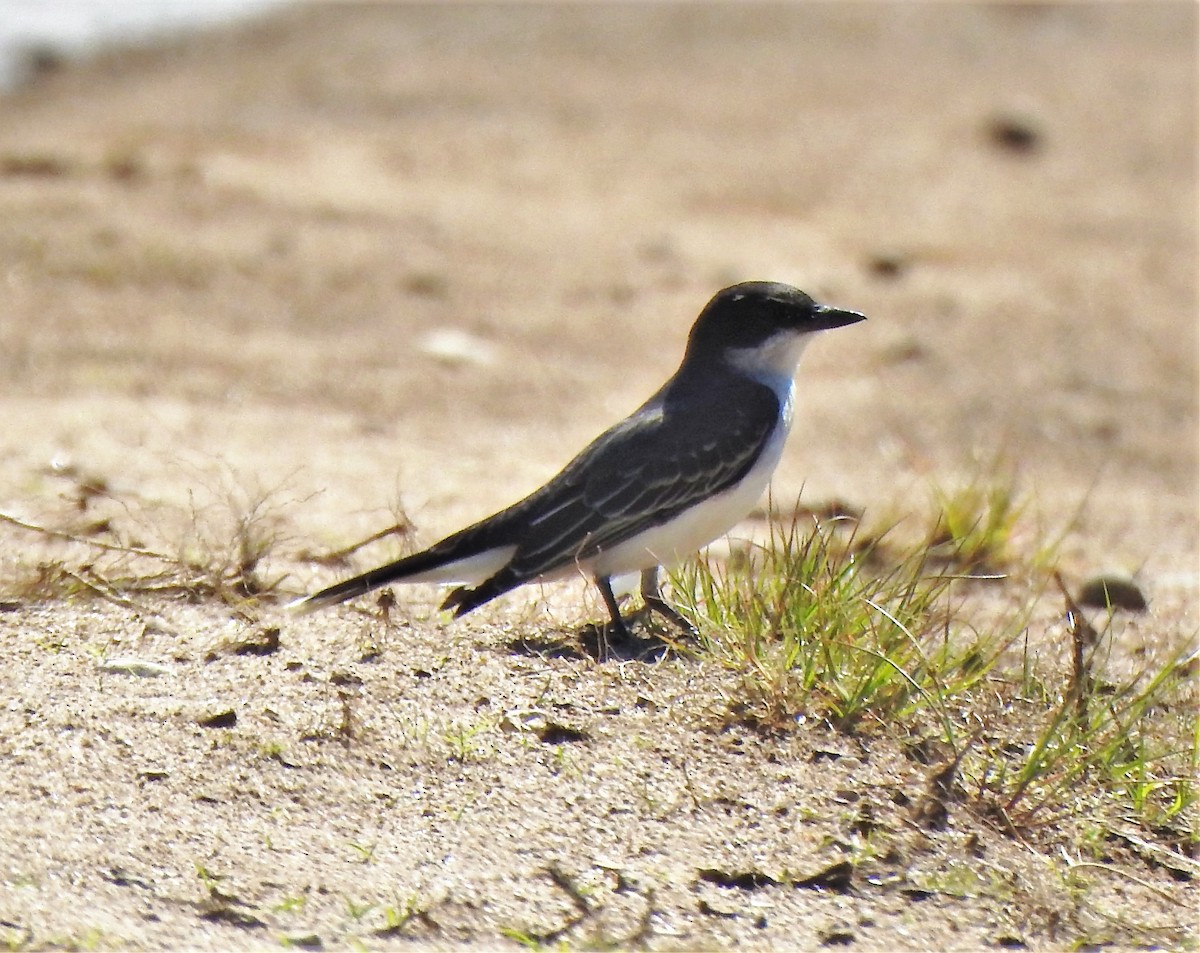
{"type": "Point", "coordinates": [655, 603]}
{"type": "Point", "coordinates": [612, 642]}
{"type": "Point", "coordinates": [614, 639]}
{"type": "Point", "coordinates": [659, 606]}
{"type": "Point", "coordinates": [639, 637]}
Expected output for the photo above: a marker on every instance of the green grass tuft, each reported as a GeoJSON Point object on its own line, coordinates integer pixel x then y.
{"type": "Point", "coordinates": [873, 637]}
{"type": "Point", "coordinates": [975, 523]}
{"type": "Point", "coordinates": [817, 627]}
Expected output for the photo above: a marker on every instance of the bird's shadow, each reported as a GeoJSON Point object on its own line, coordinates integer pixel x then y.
{"type": "Point", "coordinates": [600, 643]}
{"type": "Point", "coordinates": [546, 647]}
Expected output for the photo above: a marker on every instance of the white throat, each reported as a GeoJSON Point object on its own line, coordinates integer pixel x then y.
{"type": "Point", "coordinates": [773, 362]}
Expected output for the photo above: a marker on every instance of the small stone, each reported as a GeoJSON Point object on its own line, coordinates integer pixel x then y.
{"type": "Point", "coordinates": [219, 719]}
{"type": "Point", "coordinates": [887, 265]}
{"type": "Point", "coordinates": [553, 733]}
{"type": "Point", "coordinates": [426, 284]}
{"type": "Point", "coordinates": [456, 346]}
{"type": "Point", "coordinates": [264, 641]}
{"type": "Point", "coordinates": [1014, 134]}
{"type": "Point", "coordinates": [127, 665]}
{"type": "Point", "coordinates": [836, 877]}
{"type": "Point", "coordinates": [158, 626]}
{"type": "Point", "coordinates": [1112, 592]}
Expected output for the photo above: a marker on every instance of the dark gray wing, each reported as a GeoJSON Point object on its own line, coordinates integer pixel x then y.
{"type": "Point", "coordinates": [674, 452]}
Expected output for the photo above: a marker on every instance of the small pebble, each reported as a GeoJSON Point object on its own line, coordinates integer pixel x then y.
{"type": "Point", "coordinates": [455, 346]}
{"type": "Point", "coordinates": [1014, 134]}
{"type": "Point", "coordinates": [887, 265]}
{"type": "Point", "coordinates": [1117, 592]}
{"type": "Point", "coordinates": [219, 719]}
{"type": "Point", "coordinates": [126, 665]}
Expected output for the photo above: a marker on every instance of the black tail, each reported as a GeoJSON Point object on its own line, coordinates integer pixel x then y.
{"type": "Point", "coordinates": [476, 539]}
{"type": "Point", "coordinates": [465, 599]}
{"type": "Point", "coordinates": [380, 576]}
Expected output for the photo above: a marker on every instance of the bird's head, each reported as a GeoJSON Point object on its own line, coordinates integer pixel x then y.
{"type": "Point", "coordinates": [761, 323]}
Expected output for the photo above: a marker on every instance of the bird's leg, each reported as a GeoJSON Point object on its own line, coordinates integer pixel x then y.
{"type": "Point", "coordinates": [617, 627]}
{"type": "Point", "coordinates": [655, 602]}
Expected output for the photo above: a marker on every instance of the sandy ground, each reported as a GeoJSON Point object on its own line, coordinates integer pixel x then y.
{"type": "Point", "coordinates": [369, 260]}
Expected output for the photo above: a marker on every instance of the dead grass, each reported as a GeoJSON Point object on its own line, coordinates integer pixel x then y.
{"type": "Point", "coordinates": [217, 545]}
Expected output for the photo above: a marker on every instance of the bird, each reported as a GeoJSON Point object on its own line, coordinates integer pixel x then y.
{"type": "Point", "coordinates": [655, 488]}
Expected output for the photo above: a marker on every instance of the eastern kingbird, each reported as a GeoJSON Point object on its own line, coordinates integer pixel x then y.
{"type": "Point", "coordinates": [676, 474]}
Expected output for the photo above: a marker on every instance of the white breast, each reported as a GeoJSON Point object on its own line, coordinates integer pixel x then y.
{"type": "Point", "coordinates": [676, 540]}
{"type": "Point", "coordinates": [773, 364]}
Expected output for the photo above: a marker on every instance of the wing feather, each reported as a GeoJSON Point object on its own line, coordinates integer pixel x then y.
{"type": "Point", "coordinates": [644, 473]}
{"type": "Point", "coordinates": [681, 447]}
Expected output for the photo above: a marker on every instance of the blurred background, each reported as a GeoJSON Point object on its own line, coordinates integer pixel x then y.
{"type": "Point", "coordinates": [424, 253]}
{"type": "Point", "coordinates": [36, 35]}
